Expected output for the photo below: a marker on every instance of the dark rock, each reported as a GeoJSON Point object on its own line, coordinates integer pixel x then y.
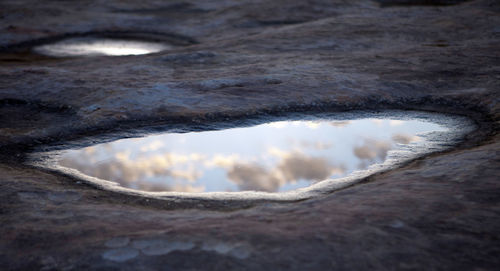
{"type": "Point", "coordinates": [240, 62]}
{"type": "Point", "coordinates": [419, 2]}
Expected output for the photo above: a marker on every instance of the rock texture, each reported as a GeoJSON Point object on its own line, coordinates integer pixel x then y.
{"type": "Point", "coordinates": [236, 60]}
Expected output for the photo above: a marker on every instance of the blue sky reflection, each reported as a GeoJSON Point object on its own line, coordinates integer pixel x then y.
{"type": "Point", "coordinates": [273, 157]}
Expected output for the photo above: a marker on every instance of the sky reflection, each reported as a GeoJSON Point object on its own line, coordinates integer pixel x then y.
{"type": "Point", "coordinates": [96, 47]}
{"type": "Point", "coordinates": [273, 157]}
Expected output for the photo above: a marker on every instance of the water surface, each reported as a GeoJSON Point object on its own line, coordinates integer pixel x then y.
{"type": "Point", "coordinates": [74, 47]}
{"type": "Point", "coordinates": [273, 157]}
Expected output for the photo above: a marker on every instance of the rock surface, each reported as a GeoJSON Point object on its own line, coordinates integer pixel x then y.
{"type": "Point", "coordinates": [251, 59]}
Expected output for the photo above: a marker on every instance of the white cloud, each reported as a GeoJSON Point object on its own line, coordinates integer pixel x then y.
{"type": "Point", "coordinates": [373, 149]}
{"type": "Point", "coordinates": [130, 173]}
{"type": "Point", "coordinates": [339, 124]}
{"type": "Point", "coordinates": [292, 167]}
{"type": "Point", "coordinates": [404, 138]}
{"type": "Point", "coordinates": [396, 122]}
{"type": "Point", "coordinates": [153, 146]}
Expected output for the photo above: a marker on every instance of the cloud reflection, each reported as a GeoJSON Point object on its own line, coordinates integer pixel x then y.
{"type": "Point", "coordinates": [274, 157]}
{"type": "Point", "coordinates": [293, 166]}
{"type": "Point", "coordinates": [404, 138]}
{"type": "Point", "coordinates": [373, 150]}
{"type": "Point", "coordinates": [315, 145]}
{"type": "Point", "coordinates": [131, 173]}
{"type": "Point", "coordinates": [340, 124]}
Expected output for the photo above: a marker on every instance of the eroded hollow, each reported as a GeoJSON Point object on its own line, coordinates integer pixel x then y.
{"type": "Point", "coordinates": [317, 153]}
{"type": "Point", "coordinates": [93, 46]}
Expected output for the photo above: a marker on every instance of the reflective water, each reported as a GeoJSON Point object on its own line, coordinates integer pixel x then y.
{"type": "Point", "coordinates": [95, 47]}
{"type": "Point", "coordinates": [273, 157]}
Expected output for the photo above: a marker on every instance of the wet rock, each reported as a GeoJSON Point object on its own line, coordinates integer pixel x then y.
{"type": "Point", "coordinates": [397, 224]}
{"type": "Point", "coordinates": [237, 250]}
{"type": "Point", "coordinates": [189, 58]}
{"type": "Point", "coordinates": [419, 2]}
{"type": "Point", "coordinates": [235, 60]}
{"type": "Point", "coordinates": [120, 254]}
{"type": "Point", "coordinates": [161, 247]}
{"type": "Point", "coordinates": [117, 242]}
{"type": "Point", "coordinates": [61, 197]}
{"type": "Point", "coordinates": [35, 197]}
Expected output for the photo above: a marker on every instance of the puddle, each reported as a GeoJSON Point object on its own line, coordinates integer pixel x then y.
{"type": "Point", "coordinates": [279, 156]}
{"type": "Point", "coordinates": [85, 46]}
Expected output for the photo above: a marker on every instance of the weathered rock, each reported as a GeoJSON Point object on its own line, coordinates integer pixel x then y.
{"type": "Point", "coordinates": [420, 2]}
{"type": "Point", "coordinates": [232, 61]}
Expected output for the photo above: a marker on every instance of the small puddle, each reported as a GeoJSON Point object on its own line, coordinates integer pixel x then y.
{"type": "Point", "coordinates": [86, 46]}
{"type": "Point", "coordinates": [273, 157]}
